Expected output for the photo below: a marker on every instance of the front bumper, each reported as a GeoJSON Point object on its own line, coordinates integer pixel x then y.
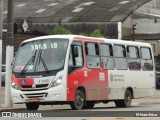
{"type": "Point", "coordinates": [57, 93]}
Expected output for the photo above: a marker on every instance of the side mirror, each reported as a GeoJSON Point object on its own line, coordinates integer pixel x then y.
{"type": "Point", "coordinates": [76, 51]}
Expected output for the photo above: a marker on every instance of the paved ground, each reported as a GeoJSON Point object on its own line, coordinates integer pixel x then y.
{"type": "Point", "coordinates": [143, 101]}
{"type": "Point", "coordinates": [154, 100]}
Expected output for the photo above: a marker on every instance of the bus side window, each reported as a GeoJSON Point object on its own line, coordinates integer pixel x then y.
{"type": "Point", "coordinates": [79, 57]}
{"type": "Point", "coordinates": [146, 59]}
{"type": "Point", "coordinates": [120, 57]}
{"type": "Point", "coordinates": [106, 53]}
{"type": "Point", "coordinates": [133, 58]}
{"type": "Point", "coordinates": [92, 55]}
{"type": "Point", "coordinates": [75, 58]}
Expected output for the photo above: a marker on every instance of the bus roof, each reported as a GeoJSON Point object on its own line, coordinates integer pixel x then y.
{"type": "Point", "coordinates": [124, 42]}
{"type": "Point", "coordinates": [48, 36]}
{"type": "Point", "coordinates": [78, 37]}
{"type": "Point", "coordinates": [84, 38]}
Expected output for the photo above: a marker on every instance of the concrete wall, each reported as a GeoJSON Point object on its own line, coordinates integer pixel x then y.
{"type": "Point", "coordinates": [147, 26]}
{"type": "Point", "coordinates": [127, 26]}
{"type": "Point", "coordinates": [150, 7]}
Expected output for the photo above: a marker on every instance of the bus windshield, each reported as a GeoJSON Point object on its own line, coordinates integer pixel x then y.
{"type": "Point", "coordinates": [41, 55]}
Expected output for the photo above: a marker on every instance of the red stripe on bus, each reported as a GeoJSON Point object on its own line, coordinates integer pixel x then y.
{"type": "Point", "coordinates": [89, 39]}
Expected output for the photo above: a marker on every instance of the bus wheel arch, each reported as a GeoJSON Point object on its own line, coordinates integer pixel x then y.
{"type": "Point", "coordinates": [82, 89]}
{"type": "Point", "coordinates": [79, 99]}
{"type": "Point", "coordinates": [131, 90]}
{"type": "Point", "coordinates": [126, 102]}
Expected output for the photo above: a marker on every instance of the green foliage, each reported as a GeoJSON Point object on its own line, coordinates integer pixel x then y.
{"type": "Point", "coordinates": [60, 30]}
{"type": "Point", "coordinates": [83, 34]}
{"type": "Point", "coordinates": [96, 33]}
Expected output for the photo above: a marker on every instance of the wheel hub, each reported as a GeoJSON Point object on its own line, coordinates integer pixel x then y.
{"type": "Point", "coordinates": [79, 100]}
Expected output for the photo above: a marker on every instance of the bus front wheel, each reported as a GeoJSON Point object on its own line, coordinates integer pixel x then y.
{"type": "Point", "coordinates": [32, 106]}
{"type": "Point", "coordinates": [126, 102]}
{"type": "Point", "coordinates": [78, 103]}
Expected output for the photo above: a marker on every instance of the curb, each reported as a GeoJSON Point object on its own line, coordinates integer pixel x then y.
{"type": "Point", "coordinates": [11, 109]}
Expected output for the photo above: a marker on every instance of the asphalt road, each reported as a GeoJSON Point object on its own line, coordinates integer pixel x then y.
{"type": "Point", "coordinates": [98, 113]}
{"type": "Point", "coordinates": [139, 110]}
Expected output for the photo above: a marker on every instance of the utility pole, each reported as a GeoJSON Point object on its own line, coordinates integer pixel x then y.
{"type": "Point", "coordinates": [1, 18]}
{"type": "Point", "coordinates": [10, 23]}
{"type": "Point", "coordinates": [9, 52]}
{"type": "Point", "coordinates": [1, 34]}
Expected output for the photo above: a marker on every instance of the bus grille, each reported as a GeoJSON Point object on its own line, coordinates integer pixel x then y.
{"type": "Point", "coordinates": [36, 95]}
{"type": "Point", "coordinates": [26, 86]}
{"type": "Point", "coordinates": [36, 87]}
{"type": "Point", "coordinates": [41, 86]}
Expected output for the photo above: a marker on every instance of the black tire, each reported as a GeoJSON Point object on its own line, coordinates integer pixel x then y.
{"type": "Point", "coordinates": [126, 102]}
{"type": "Point", "coordinates": [32, 106]}
{"type": "Point", "coordinates": [89, 105]}
{"type": "Point", "coordinates": [78, 103]}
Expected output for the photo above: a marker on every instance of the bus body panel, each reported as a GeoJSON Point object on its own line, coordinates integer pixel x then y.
{"type": "Point", "coordinates": [142, 83]}
{"type": "Point", "coordinates": [47, 94]}
{"type": "Point", "coordinates": [94, 81]}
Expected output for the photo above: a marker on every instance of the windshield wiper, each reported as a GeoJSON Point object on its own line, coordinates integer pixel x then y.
{"type": "Point", "coordinates": [32, 59]}
{"type": "Point", "coordinates": [42, 60]}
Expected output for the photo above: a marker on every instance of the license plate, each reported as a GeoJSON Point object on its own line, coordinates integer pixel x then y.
{"type": "Point", "coordinates": [43, 81]}
{"type": "Point", "coordinates": [33, 100]}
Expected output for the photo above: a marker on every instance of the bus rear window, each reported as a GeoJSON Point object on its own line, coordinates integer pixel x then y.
{"type": "Point", "coordinates": [133, 58]}
{"type": "Point", "coordinates": [146, 59]}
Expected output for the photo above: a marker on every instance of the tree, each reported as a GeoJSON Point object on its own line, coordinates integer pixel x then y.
{"type": "Point", "coordinates": [83, 34]}
{"type": "Point", "coordinates": [96, 33]}
{"type": "Point", "coordinates": [59, 29]}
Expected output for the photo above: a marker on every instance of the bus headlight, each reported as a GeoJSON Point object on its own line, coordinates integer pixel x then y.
{"type": "Point", "coordinates": [56, 82]}
{"type": "Point", "coordinates": [14, 85]}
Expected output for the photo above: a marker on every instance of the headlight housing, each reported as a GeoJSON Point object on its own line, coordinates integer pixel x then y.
{"type": "Point", "coordinates": [14, 85]}
{"type": "Point", "coordinates": [56, 82]}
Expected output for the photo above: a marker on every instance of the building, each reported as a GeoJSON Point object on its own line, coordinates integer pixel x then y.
{"type": "Point", "coordinates": [147, 20]}
{"type": "Point", "coordinates": [112, 17]}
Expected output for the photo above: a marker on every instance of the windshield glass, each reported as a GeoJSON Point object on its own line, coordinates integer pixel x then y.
{"type": "Point", "coordinates": [41, 55]}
